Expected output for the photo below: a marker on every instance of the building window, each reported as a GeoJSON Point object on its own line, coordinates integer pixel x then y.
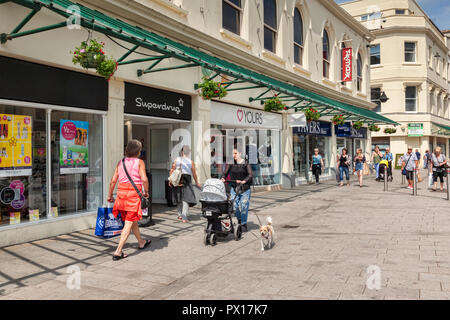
{"type": "Point", "coordinates": [359, 68]}
{"type": "Point", "coordinates": [298, 37]}
{"type": "Point", "coordinates": [270, 25]}
{"type": "Point", "coordinates": [399, 11]}
{"type": "Point", "coordinates": [231, 15]}
{"type": "Point", "coordinates": [375, 57]}
{"type": "Point", "coordinates": [371, 16]}
{"type": "Point", "coordinates": [410, 52]}
{"type": "Point", "coordinates": [375, 98]}
{"type": "Point", "coordinates": [411, 99]}
{"type": "Point", "coordinates": [326, 54]}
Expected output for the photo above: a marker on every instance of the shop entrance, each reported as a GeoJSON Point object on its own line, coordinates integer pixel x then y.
{"type": "Point", "coordinates": [155, 136]}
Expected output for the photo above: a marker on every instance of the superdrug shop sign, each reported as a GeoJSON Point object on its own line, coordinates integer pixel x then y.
{"type": "Point", "coordinates": [153, 102]}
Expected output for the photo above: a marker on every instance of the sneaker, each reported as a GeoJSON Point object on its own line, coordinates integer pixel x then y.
{"type": "Point", "coordinates": [409, 186]}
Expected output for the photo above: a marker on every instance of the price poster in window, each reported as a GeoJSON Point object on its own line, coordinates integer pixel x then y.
{"type": "Point", "coordinates": [15, 145]}
{"type": "Point", "coordinates": [74, 146]}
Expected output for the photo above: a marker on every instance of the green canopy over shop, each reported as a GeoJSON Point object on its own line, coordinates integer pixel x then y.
{"type": "Point", "coordinates": [240, 78]}
{"type": "Point", "coordinates": [441, 129]}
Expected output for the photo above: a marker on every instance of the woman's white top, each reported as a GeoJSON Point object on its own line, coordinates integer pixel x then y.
{"type": "Point", "coordinates": [186, 165]}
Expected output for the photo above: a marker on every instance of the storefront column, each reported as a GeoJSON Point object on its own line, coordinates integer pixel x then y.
{"type": "Point", "coordinates": [287, 150]}
{"type": "Point", "coordinates": [114, 129]}
{"type": "Point", "coordinates": [368, 147]}
{"type": "Point", "coordinates": [434, 143]}
{"type": "Point", "coordinates": [201, 152]}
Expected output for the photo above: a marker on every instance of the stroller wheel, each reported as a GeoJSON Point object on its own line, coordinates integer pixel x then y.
{"type": "Point", "coordinates": [206, 239]}
{"type": "Point", "coordinates": [213, 239]}
{"type": "Point", "coordinates": [237, 232]}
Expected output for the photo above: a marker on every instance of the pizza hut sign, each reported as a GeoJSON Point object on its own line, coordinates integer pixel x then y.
{"type": "Point", "coordinates": [346, 64]}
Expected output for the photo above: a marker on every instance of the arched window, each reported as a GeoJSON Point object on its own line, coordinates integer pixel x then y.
{"type": "Point", "coordinates": [298, 37]}
{"type": "Point", "coordinates": [326, 54]}
{"type": "Point", "coordinates": [359, 73]}
{"type": "Point", "coordinates": [270, 25]}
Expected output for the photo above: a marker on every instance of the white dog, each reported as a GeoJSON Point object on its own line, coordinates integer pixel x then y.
{"type": "Point", "coordinates": [267, 233]}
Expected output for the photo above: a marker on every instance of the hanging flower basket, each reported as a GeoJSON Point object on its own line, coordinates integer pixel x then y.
{"type": "Point", "coordinates": [390, 130]}
{"type": "Point", "coordinates": [312, 114]}
{"type": "Point", "coordinates": [357, 125]}
{"type": "Point", "coordinates": [90, 55]}
{"type": "Point", "coordinates": [210, 89]}
{"type": "Point", "coordinates": [338, 119]}
{"type": "Point", "coordinates": [374, 128]}
{"type": "Point", "coordinates": [274, 104]}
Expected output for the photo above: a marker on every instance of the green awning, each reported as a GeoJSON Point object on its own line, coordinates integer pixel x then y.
{"type": "Point", "coordinates": [444, 130]}
{"type": "Point", "coordinates": [167, 48]}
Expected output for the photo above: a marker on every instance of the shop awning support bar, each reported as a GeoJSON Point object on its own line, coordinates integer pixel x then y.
{"type": "Point", "coordinates": [259, 97]}
{"type": "Point", "coordinates": [127, 54]}
{"type": "Point", "coordinates": [25, 21]}
{"type": "Point", "coordinates": [213, 76]}
{"type": "Point", "coordinates": [246, 88]}
{"type": "Point", "coordinates": [5, 37]}
{"type": "Point", "coordinates": [189, 65]}
{"type": "Point", "coordinates": [159, 58]}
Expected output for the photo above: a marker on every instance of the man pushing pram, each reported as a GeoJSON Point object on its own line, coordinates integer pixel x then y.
{"type": "Point", "coordinates": [386, 162]}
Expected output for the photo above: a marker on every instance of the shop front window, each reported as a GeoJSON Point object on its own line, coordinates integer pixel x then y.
{"type": "Point", "coordinates": [22, 164]}
{"type": "Point", "coordinates": [76, 162]}
{"type": "Point", "coordinates": [300, 155]}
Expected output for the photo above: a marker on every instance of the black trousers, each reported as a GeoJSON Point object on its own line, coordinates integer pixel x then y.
{"type": "Point", "coordinates": [317, 171]}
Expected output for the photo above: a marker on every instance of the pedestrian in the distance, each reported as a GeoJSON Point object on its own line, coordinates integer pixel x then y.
{"type": "Point", "coordinates": [316, 164]}
{"type": "Point", "coordinates": [426, 159]}
{"type": "Point", "coordinates": [360, 159]}
{"type": "Point", "coordinates": [376, 158]}
{"type": "Point", "coordinates": [183, 195]}
{"type": "Point", "coordinates": [438, 166]}
{"type": "Point", "coordinates": [128, 201]}
{"type": "Point", "coordinates": [410, 163]}
{"type": "Point", "coordinates": [418, 156]}
{"type": "Point", "coordinates": [343, 161]}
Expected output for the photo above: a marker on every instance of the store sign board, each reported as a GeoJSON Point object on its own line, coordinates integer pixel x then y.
{"type": "Point", "coordinates": [235, 116]}
{"type": "Point", "coordinates": [415, 130]}
{"type": "Point", "coordinates": [15, 145]}
{"type": "Point", "coordinates": [318, 128]}
{"type": "Point", "coordinates": [154, 102]}
{"type": "Point", "coordinates": [73, 147]}
{"type": "Point", "coordinates": [347, 130]}
{"type": "Point", "coordinates": [346, 64]}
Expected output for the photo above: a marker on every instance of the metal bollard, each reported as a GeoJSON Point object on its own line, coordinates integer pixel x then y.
{"type": "Point", "coordinates": [385, 180]}
{"type": "Point", "coordinates": [415, 183]}
{"type": "Point", "coordinates": [448, 194]}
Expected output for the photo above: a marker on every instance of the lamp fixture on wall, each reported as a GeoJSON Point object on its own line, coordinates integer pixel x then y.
{"type": "Point", "coordinates": [383, 97]}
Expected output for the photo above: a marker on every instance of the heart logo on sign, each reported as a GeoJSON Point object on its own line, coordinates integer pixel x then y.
{"type": "Point", "coordinates": [240, 115]}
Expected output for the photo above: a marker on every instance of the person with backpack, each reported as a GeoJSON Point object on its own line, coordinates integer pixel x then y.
{"type": "Point", "coordinates": [438, 166]}
{"type": "Point", "coordinates": [240, 172]}
{"type": "Point", "coordinates": [128, 201]}
{"type": "Point", "coordinates": [183, 195]}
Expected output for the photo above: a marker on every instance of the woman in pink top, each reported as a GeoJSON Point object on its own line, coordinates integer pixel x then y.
{"type": "Point", "coordinates": [128, 202]}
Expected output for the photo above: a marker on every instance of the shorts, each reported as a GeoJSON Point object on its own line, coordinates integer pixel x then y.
{"type": "Point", "coordinates": [409, 175]}
{"type": "Point", "coordinates": [438, 174]}
{"type": "Point", "coordinates": [129, 216]}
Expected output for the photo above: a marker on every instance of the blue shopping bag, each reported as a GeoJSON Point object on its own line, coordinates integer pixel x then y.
{"type": "Point", "coordinates": [107, 225]}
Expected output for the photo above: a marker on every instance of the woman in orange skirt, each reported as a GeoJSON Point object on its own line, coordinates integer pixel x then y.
{"type": "Point", "coordinates": [128, 202]}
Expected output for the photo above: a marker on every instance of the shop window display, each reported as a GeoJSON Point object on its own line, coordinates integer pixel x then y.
{"type": "Point", "coordinates": [22, 165]}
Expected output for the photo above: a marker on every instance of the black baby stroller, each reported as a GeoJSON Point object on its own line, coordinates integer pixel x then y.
{"type": "Point", "coordinates": [385, 164]}
{"type": "Point", "coordinates": [217, 208]}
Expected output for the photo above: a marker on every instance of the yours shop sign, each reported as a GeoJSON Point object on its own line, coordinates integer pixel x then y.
{"type": "Point", "coordinates": [226, 114]}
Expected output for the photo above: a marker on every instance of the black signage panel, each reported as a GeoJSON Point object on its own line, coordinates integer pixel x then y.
{"type": "Point", "coordinates": [26, 81]}
{"type": "Point", "coordinates": [157, 103]}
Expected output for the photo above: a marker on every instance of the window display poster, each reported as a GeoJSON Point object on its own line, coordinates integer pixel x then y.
{"type": "Point", "coordinates": [34, 215]}
{"type": "Point", "coordinates": [14, 217]}
{"type": "Point", "coordinates": [74, 146]}
{"type": "Point", "coordinates": [15, 145]}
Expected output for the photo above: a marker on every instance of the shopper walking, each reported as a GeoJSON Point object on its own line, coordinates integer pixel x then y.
{"type": "Point", "coordinates": [128, 201]}
{"type": "Point", "coordinates": [427, 160]}
{"type": "Point", "coordinates": [376, 158]}
{"type": "Point", "coordinates": [438, 166]}
{"type": "Point", "coordinates": [418, 157]}
{"type": "Point", "coordinates": [241, 174]}
{"type": "Point", "coordinates": [360, 159]}
{"type": "Point", "coordinates": [343, 161]}
{"type": "Point", "coordinates": [316, 164]}
{"type": "Point", "coordinates": [409, 164]}
{"type": "Point", "coordinates": [183, 195]}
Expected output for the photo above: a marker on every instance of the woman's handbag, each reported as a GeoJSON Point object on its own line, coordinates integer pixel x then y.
{"type": "Point", "coordinates": [145, 203]}
{"type": "Point", "coordinates": [175, 176]}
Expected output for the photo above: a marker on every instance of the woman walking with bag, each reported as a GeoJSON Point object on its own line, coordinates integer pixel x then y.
{"type": "Point", "coordinates": [241, 172]}
{"type": "Point", "coordinates": [128, 201]}
{"type": "Point", "coordinates": [343, 164]}
{"type": "Point", "coordinates": [360, 159]}
{"type": "Point", "coordinates": [316, 164]}
{"type": "Point", "coordinates": [438, 166]}
{"type": "Point", "coordinates": [183, 194]}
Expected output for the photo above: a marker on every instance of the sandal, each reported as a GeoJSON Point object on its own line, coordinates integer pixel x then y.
{"type": "Point", "coordinates": [122, 256]}
{"type": "Point", "coordinates": [147, 243]}
{"type": "Point", "coordinates": [179, 218]}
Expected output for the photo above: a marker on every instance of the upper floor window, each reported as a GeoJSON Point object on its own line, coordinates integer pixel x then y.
{"type": "Point", "coordinates": [371, 16]}
{"type": "Point", "coordinates": [359, 68]}
{"type": "Point", "coordinates": [411, 99]}
{"type": "Point", "coordinates": [375, 57]}
{"type": "Point", "coordinates": [298, 37]}
{"type": "Point", "coordinates": [399, 11]}
{"type": "Point", "coordinates": [270, 25]}
{"type": "Point", "coordinates": [410, 52]}
{"type": "Point", "coordinates": [326, 54]}
{"type": "Point", "coordinates": [375, 94]}
{"type": "Point", "coordinates": [231, 15]}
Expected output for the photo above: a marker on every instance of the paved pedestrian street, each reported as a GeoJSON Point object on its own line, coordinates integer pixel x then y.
{"type": "Point", "coordinates": [326, 238]}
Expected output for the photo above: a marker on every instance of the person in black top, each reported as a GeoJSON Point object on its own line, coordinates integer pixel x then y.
{"type": "Point", "coordinates": [343, 161]}
{"type": "Point", "coordinates": [241, 172]}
